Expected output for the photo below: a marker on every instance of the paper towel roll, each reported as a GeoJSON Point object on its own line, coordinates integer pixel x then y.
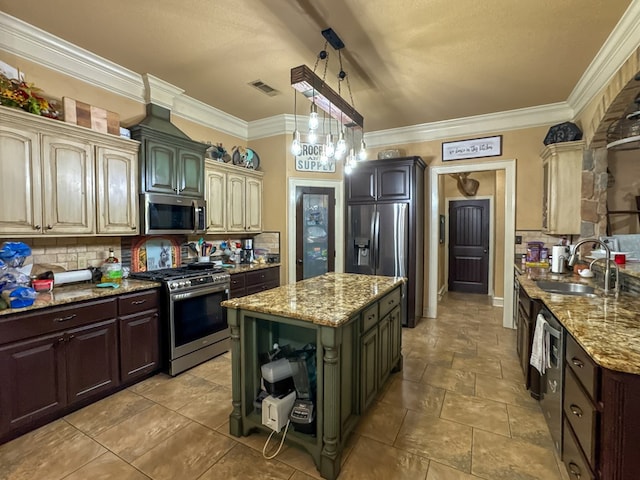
{"type": "Point", "coordinates": [72, 276]}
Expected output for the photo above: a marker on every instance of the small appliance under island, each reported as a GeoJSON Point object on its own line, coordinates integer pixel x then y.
{"type": "Point", "coordinates": [355, 324]}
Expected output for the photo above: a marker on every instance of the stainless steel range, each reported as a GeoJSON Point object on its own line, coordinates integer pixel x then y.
{"type": "Point", "coordinates": [195, 324]}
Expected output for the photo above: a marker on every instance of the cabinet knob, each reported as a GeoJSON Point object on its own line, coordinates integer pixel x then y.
{"type": "Point", "coordinates": [578, 363]}
{"type": "Point", "coordinates": [574, 470]}
{"type": "Point", "coordinates": [36, 227]}
{"type": "Point", "coordinates": [49, 227]}
{"type": "Point", "coordinates": [133, 227]}
{"type": "Point", "coordinates": [71, 336]}
{"type": "Point", "coordinates": [576, 410]}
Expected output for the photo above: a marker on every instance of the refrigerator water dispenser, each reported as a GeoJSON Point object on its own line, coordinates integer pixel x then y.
{"type": "Point", "coordinates": [362, 247]}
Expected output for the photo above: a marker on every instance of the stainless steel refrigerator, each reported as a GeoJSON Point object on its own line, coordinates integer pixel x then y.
{"type": "Point", "coordinates": [377, 239]}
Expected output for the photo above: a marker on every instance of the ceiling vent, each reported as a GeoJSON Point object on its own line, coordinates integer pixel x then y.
{"type": "Point", "coordinates": [264, 88]}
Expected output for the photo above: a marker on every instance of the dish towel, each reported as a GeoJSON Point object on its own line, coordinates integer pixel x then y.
{"type": "Point", "coordinates": [540, 346]}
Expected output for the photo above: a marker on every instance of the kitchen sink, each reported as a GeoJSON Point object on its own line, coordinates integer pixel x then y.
{"type": "Point", "coordinates": [567, 288]}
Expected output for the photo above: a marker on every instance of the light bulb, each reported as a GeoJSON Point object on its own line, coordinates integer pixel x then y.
{"type": "Point", "coordinates": [312, 137]}
{"type": "Point", "coordinates": [296, 146]}
{"type": "Point", "coordinates": [323, 157]}
{"type": "Point", "coordinates": [362, 154]}
{"type": "Point", "coordinates": [341, 146]}
{"type": "Point", "coordinates": [330, 148]}
{"type": "Point", "coordinates": [314, 121]}
{"type": "Point", "coordinates": [348, 169]}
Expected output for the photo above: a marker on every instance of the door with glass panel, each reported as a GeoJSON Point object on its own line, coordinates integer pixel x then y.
{"type": "Point", "coordinates": [315, 231]}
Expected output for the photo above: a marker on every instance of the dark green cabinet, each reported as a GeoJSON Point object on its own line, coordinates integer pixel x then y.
{"type": "Point", "coordinates": [169, 169]}
{"type": "Point", "coordinates": [170, 162]}
{"type": "Point", "coordinates": [368, 368]}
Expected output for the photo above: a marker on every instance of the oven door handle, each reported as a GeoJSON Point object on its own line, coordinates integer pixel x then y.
{"type": "Point", "coordinates": [552, 331]}
{"type": "Point", "coordinates": [199, 293]}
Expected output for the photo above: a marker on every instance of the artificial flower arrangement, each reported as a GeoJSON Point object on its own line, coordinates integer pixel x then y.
{"type": "Point", "coordinates": [26, 96]}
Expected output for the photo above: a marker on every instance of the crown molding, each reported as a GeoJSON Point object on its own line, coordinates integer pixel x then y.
{"type": "Point", "coordinates": [208, 116]}
{"type": "Point", "coordinates": [41, 47]}
{"type": "Point", "coordinates": [159, 92]}
{"type": "Point", "coordinates": [621, 43]}
{"type": "Point", "coordinates": [38, 46]}
{"type": "Point", "coordinates": [470, 126]}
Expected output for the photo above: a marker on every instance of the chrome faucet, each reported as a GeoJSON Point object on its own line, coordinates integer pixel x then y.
{"type": "Point", "coordinates": [575, 255]}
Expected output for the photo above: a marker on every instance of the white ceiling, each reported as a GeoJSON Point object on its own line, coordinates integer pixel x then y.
{"type": "Point", "coordinates": [409, 61]}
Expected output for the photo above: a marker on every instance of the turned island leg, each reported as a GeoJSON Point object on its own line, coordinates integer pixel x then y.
{"type": "Point", "coordinates": [235, 417]}
{"type": "Point", "coordinates": [330, 455]}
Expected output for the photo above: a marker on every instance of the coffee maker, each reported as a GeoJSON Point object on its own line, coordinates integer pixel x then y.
{"type": "Point", "coordinates": [247, 251]}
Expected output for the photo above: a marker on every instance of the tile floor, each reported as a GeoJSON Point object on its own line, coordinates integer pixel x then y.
{"type": "Point", "coordinates": [457, 411]}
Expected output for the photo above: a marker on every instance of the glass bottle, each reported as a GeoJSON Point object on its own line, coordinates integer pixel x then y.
{"type": "Point", "coordinates": [111, 269]}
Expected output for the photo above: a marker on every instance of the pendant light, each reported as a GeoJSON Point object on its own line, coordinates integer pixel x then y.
{"type": "Point", "coordinates": [296, 145]}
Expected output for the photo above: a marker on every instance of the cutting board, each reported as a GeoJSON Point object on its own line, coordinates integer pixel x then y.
{"type": "Point", "coordinates": [89, 116]}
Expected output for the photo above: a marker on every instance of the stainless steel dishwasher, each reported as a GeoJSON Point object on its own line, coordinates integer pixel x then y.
{"type": "Point", "coordinates": [552, 381]}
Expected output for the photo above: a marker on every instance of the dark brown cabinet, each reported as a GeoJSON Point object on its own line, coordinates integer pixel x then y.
{"type": "Point", "coordinates": [255, 281]}
{"type": "Point", "coordinates": [525, 325]}
{"type": "Point", "coordinates": [601, 419]}
{"type": "Point", "coordinates": [33, 381]}
{"type": "Point", "coordinates": [55, 360]}
{"type": "Point", "coordinates": [57, 357]}
{"type": "Point", "coordinates": [139, 335]}
{"type": "Point", "coordinates": [379, 182]}
{"type": "Point", "coordinates": [384, 225]}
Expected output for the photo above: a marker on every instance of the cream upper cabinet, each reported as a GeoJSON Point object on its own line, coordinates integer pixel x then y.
{"type": "Point", "coordinates": [562, 187]}
{"type": "Point", "coordinates": [216, 194]}
{"type": "Point", "coordinates": [236, 202]}
{"type": "Point", "coordinates": [20, 181]}
{"type": "Point", "coordinates": [64, 180]}
{"type": "Point", "coordinates": [234, 198]}
{"type": "Point", "coordinates": [253, 206]}
{"type": "Point", "coordinates": [116, 194]}
{"type": "Point", "coordinates": [67, 186]}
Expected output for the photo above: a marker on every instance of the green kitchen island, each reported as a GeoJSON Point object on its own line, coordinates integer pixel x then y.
{"type": "Point", "coordinates": [355, 323]}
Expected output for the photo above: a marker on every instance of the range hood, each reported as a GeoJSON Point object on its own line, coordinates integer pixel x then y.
{"type": "Point", "coordinates": [159, 119]}
{"type": "Point", "coordinates": [624, 133]}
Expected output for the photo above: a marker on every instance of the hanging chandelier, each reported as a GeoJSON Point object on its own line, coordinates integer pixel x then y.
{"type": "Point", "coordinates": [321, 95]}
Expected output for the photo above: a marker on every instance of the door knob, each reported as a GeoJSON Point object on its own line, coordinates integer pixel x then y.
{"type": "Point", "coordinates": [299, 261]}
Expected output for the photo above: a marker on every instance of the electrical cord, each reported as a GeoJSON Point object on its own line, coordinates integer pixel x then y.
{"type": "Point", "coordinates": [264, 449]}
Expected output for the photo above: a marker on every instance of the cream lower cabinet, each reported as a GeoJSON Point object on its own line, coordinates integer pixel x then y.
{"type": "Point", "coordinates": [58, 179]}
{"type": "Point", "coordinates": [234, 198]}
{"type": "Point", "coordinates": [562, 187]}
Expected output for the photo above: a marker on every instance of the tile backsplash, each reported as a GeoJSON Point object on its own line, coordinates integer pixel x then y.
{"type": "Point", "coordinates": [72, 253]}
{"type": "Point", "coordinates": [538, 236]}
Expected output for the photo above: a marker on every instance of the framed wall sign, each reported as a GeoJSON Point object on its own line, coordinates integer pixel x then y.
{"type": "Point", "coordinates": [309, 160]}
{"type": "Point", "coordinates": [474, 148]}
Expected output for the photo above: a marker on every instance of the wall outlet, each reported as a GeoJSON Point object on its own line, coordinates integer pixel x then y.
{"type": "Point", "coordinates": [518, 239]}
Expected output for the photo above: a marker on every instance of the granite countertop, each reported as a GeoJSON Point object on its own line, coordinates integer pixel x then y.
{"type": "Point", "coordinates": [81, 291]}
{"type": "Point", "coordinates": [607, 328]}
{"type": "Point", "coordinates": [329, 299]}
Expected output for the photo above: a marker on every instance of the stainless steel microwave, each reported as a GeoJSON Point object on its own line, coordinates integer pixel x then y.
{"type": "Point", "coordinates": [172, 214]}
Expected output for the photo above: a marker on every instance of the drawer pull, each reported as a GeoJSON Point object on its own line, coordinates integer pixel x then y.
{"type": "Point", "coordinates": [578, 363]}
{"type": "Point", "coordinates": [64, 319]}
{"type": "Point", "coordinates": [576, 410]}
{"type": "Point", "coordinates": [138, 302]}
{"type": "Point", "coordinates": [574, 470]}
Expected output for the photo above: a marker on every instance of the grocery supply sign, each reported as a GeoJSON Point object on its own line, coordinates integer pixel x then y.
{"type": "Point", "coordinates": [309, 160]}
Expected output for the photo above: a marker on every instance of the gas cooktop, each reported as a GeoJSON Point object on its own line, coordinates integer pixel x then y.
{"type": "Point", "coordinates": [196, 270]}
